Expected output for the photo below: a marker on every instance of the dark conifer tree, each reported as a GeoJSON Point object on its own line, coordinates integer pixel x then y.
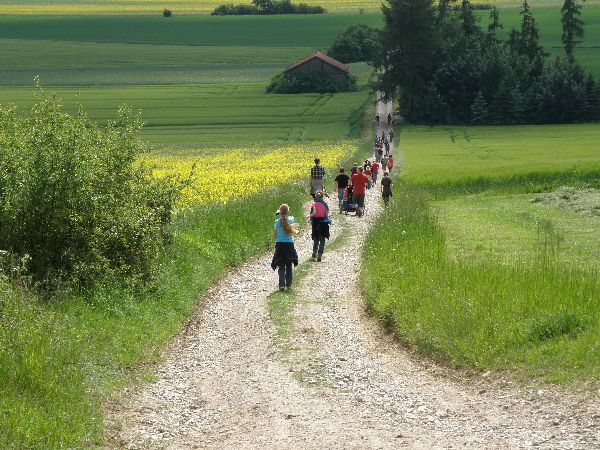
{"type": "Point", "coordinates": [479, 109]}
{"type": "Point", "coordinates": [408, 42]}
{"type": "Point", "coordinates": [494, 24]}
{"type": "Point", "coordinates": [468, 19]}
{"type": "Point", "coordinates": [572, 26]}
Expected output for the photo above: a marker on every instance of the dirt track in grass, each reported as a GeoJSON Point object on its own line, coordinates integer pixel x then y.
{"type": "Point", "coordinates": [309, 369]}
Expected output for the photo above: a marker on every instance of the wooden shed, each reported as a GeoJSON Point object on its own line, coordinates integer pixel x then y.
{"type": "Point", "coordinates": [319, 63]}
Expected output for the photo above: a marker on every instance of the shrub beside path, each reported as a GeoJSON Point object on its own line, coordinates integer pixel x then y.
{"type": "Point", "coordinates": [323, 374]}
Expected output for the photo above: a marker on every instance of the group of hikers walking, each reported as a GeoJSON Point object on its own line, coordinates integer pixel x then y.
{"type": "Point", "coordinates": [351, 191]}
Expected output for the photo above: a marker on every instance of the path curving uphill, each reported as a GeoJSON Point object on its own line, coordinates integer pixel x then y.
{"type": "Point", "coordinates": [258, 369]}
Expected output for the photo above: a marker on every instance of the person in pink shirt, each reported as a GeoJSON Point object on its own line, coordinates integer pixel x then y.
{"type": "Point", "coordinates": [320, 221]}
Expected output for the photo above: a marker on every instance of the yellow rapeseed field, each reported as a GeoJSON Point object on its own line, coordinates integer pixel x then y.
{"type": "Point", "coordinates": [225, 174]}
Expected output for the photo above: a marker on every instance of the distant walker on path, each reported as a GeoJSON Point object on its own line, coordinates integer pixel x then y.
{"type": "Point", "coordinates": [317, 173]}
{"type": "Point", "coordinates": [386, 188]}
{"type": "Point", "coordinates": [285, 253]}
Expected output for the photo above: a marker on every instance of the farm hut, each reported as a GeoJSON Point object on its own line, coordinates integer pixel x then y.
{"type": "Point", "coordinates": [319, 63]}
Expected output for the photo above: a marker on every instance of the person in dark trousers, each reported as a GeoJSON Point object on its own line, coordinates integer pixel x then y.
{"type": "Point", "coordinates": [377, 119]}
{"type": "Point", "coordinates": [319, 219]}
{"type": "Point", "coordinates": [341, 181]}
{"type": "Point", "coordinates": [389, 119]}
{"type": "Point", "coordinates": [359, 187]}
{"type": "Point", "coordinates": [317, 173]}
{"type": "Point", "coordinates": [386, 188]}
{"type": "Point", "coordinates": [285, 253]}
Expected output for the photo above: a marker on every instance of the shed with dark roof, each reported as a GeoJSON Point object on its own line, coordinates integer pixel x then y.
{"type": "Point", "coordinates": [319, 63]}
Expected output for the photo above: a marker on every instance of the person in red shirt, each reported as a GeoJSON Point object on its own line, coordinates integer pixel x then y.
{"type": "Point", "coordinates": [369, 175]}
{"type": "Point", "coordinates": [375, 171]}
{"type": "Point", "coordinates": [359, 186]}
{"type": "Point", "coordinates": [390, 163]}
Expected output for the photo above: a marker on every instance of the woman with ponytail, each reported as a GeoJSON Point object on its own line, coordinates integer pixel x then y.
{"type": "Point", "coordinates": [285, 252]}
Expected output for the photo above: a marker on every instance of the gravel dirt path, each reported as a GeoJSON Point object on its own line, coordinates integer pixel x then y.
{"type": "Point", "coordinates": [321, 373]}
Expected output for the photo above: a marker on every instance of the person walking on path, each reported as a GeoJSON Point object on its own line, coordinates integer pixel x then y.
{"type": "Point", "coordinates": [285, 253]}
{"type": "Point", "coordinates": [354, 169]}
{"type": "Point", "coordinates": [317, 173]}
{"type": "Point", "coordinates": [359, 188]}
{"type": "Point", "coordinates": [390, 163]}
{"type": "Point", "coordinates": [386, 188]}
{"type": "Point", "coordinates": [391, 136]}
{"type": "Point", "coordinates": [384, 161]}
{"type": "Point", "coordinates": [389, 117]}
{"type": "Point", "coordinates": [320, 221]}
{"type": "Point", "coordinates": [377, 119]}
{"type": "Point", "coordinates": [341, 181]}
{"type": "Point", "coordinates": [374, 171]}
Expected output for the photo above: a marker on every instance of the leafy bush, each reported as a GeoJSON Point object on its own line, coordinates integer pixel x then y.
{"type": "Point", "coordinates": [167, 13]}
{"type": "Point", "coordinates": [356, 43]}
{"type": "Point", "coordinates": [302, 83]}
{"type": "Point", "coordinates": [234, 10]}
{"type": "Point", "coordinates": [267, 7]}
{"type": "Point", "coordinates": [73, 199]}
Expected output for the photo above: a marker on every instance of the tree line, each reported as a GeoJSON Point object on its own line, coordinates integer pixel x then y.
{"type": "Point", "coordinates": [266, 8]}
{"type": "Point", "coordinates": [445, 68]}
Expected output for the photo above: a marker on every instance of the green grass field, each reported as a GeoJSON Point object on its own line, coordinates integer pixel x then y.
{"type": "Point", "coordinates": [506, 227]}
{"type": "Point", "coordinates": [492, 279]}
{"type": "Point", "coordinates": [216, 115]}
{"type": "Point", "coordinates": [132, 50]}
{"type": "Point", "coordinates": [92, 50]}
{"type": "Point", "coordinates": [454, 155]}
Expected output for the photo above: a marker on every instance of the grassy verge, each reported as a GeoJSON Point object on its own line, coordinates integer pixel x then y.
{"type": "Point", "coordinates": [534, 313]}
{"type": "Point", "coordinates": [59, 359]}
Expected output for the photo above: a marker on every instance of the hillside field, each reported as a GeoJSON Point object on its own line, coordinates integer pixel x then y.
{"type": "Point", "coordinates": [455, 155]}
{"type": "Point", "coordinates": [133, 50]}
{"type": "Point", "coordinates": [484, 271]}
{"type": "Point", "coordinates": [216, 115]}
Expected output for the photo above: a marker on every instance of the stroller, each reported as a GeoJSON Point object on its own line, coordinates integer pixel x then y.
{"type": "Point", "coordinates": [347, 205]}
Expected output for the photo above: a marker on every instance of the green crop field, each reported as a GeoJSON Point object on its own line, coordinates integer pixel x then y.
{"type": "Point", "coordinates": [216, 114]}
{"type": "Point", "coordinates": [98, 51]}
{"type": "Point", "coordinates": [435, 155]}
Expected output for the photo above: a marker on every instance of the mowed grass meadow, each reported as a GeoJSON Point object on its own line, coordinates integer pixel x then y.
{"type": "Point", "coordinates": [469, 266]}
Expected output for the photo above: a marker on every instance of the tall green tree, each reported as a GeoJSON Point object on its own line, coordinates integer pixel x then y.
{"type": "Point", "coordinates": [572, 25]}
{"type": "Point", "coordinates": [494, 24]}
{"type": "Point", "coordinates": [526, 41]}
{"type": "Point", "coordinates": [356, 43]}
{"type": "Point", "coordinates": [468, 18]}
{"type": "Point", "coordinates": [408, 43]}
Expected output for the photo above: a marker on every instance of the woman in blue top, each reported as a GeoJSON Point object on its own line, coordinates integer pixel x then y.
{"type": "Point", "coordinates": [285, 252]}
